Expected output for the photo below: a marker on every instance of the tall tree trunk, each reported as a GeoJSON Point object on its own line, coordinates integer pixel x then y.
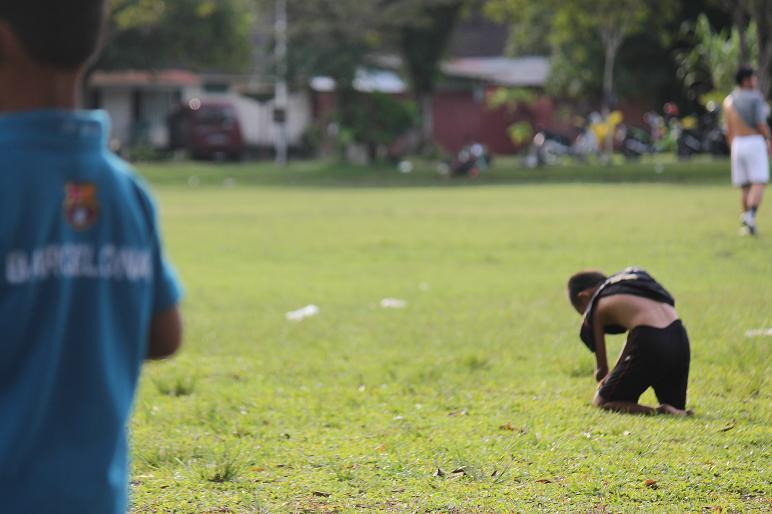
{"type": "Point", "coordinates": [612, 44]}
{"type": "Point", "coordinates": [761, 10]}
{"type": "Point", "coordinates": [426, 104]}
{"type": "Point", "coordinates": [741, 24]}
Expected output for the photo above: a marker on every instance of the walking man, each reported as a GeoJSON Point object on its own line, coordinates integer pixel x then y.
{"type": "Point", "coordinates": [748, 136]}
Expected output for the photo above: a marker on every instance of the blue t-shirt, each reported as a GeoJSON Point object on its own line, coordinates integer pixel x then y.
{"type": "Point", "coordinates": [82, 273]}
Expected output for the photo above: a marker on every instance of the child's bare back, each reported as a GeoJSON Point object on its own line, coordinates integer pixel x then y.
{"type": "Point", "coordinates": [656, 353]}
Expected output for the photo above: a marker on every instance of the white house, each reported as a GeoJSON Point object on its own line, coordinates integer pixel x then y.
{"type": "Point", "coordinates": [139, 102]}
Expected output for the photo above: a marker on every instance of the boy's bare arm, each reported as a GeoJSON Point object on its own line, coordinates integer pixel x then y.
{"type": "Point", "coordinates": [599, 334]}
{"type": "Point", "coordinates": [165, 334]}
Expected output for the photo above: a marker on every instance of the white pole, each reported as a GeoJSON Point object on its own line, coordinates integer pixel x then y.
{"type": "Point", "coordinates": [281, 99]}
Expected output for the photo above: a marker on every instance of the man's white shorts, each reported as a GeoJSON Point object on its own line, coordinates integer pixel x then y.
{"type": "Point", "coordinates": [750, 162]}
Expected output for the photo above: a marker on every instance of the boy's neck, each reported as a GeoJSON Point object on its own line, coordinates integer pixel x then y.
{"type": "Point", "coordinates": [35, 89]}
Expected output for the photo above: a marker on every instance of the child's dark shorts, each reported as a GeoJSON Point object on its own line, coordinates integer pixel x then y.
{"type": "Point", "coordinates": [654, 357]}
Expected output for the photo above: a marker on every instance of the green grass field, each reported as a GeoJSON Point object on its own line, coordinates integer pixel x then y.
{"type": "Point", "coordinates": [482, 375]}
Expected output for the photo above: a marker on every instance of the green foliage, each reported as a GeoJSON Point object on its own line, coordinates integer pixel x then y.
{"type": "Point", "coordinates": [713, 59]}
{"type": "Point", "coordinates": [330, 38]}
{"type": "Point", "coordinates": [203, 34]}
{"type": "Point", "coordinates": [354, 410]}
{"type": "Point", "coordinates": [132, 14]}
{"type": "Point", "coordinates": [520, 133]}
{"type": "Point", "coordinates": [531, 21]}
{"type": "Point", "coordinates": [379, 119]}
{"type": "Point", "coordinates": [511, 97]}
{"type": "Point", "coordinates": [580, 35]}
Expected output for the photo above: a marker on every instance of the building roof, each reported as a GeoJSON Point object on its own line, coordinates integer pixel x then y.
{"type": "Point", "coordinates": [501, 71]}
{"type": "Point", "coordinates": [366, 81]}
{"type": "Point", "coordinates": [144, 78]}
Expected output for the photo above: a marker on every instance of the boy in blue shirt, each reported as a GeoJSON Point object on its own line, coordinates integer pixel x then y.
{"type": "Point", "coordinates": [85, 292]}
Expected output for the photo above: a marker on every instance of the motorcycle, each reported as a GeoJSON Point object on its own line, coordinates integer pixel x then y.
{"type": "Point", "coordinates": [470, 161]}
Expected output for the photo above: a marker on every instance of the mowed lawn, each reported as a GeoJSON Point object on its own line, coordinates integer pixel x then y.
{"type": "Point", "coordinates": [476, 396]}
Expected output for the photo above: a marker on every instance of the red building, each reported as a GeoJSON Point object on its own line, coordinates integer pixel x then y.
{"type": "Point", "coordinates": [462, 111]}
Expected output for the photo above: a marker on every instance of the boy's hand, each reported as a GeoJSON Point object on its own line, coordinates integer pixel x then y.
{"type": "Point", "coordinates": [601, 372]}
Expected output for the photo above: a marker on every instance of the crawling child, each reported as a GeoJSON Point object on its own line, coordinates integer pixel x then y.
{"type": "Point", "coordinates": [656, 353]}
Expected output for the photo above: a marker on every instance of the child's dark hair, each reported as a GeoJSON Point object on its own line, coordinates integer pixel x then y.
{"type": "Point", "coordinates": [743, 74]}
{"type": "Point", "coordinates": [582, 281]}
{"type": "Point", "coordinates": [63, 34]}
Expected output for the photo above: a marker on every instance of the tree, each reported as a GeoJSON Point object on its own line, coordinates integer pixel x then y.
{"type": "Point", "coordinates": [740, 20]}
{"type": "Point", "coordinates": [761, 13]}
{"type": "Point", "coordinates": [757, 12]}
{"type": "Point", "coordinates": [708, 66]}
{"type": "Point", "coordinates": [609, 22]}
{"type": "Point", "coordinates": [204, 34]}
{"type": "Point", "coordinates": [332, 38]}
{"type": "Point", "coordinates": [423, 31]}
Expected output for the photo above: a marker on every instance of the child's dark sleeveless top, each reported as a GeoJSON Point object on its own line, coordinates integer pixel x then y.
{"type": "Point", "coordinates": [632, 281]}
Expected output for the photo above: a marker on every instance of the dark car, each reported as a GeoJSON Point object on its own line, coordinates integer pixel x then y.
{"type": "Point", "coordinates": [207, 129]}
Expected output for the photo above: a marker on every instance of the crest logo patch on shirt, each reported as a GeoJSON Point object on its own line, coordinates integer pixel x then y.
{"type": "Point", "coordinates": [81, 207]}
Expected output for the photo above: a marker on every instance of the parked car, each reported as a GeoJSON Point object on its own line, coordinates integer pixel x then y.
{"type": "Point", "coordinates": [207, 129]}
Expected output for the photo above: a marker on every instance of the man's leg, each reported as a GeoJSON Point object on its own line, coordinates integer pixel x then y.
{"type": "Point", "coordinates": [751, 201]}
{"type": "Point", "coordinates": [744, 195]}
{"type": "Point", "coordinates": [755, 196]}
{"type": "Point", "coordinates": [757, 164]}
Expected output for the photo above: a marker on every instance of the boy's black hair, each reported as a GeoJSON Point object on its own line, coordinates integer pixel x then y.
{"type": "Point", "coordinates": [64, 34]}
{"type": "Point", "coordinates": [582, 281]}
{"type": "Point", "coordinates": [743, 74]}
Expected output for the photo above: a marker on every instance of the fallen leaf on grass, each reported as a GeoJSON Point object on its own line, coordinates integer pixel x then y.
{"type": "Point", "coordinates": [257, 469]}
{"type": "Point", "coordinates": [438, 473]}
{"type": "Point", "coordinates": [320, 494]}
{"type": "Point", "coordinates": [462, 412]}
{"type": "Point", "coordinates": [727, 428]}
{"type": "Point", "coordinates": [544, 481]}
{"type": "Point", "coordinates": [652, 484]}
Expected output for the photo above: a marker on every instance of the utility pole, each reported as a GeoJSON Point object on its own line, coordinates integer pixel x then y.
{"type": "Point", "coordinates": [281, 95]}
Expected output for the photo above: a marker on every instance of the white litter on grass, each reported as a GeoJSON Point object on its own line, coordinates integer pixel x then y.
{"type": "Point", "coordinates": [393, 303]}
{"type": "Point", "coordinates": [759, 332]}
{"type": "Point", "coordinates": [301, 314]}
{"type": "Point", "coordinates": [405, 167]}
